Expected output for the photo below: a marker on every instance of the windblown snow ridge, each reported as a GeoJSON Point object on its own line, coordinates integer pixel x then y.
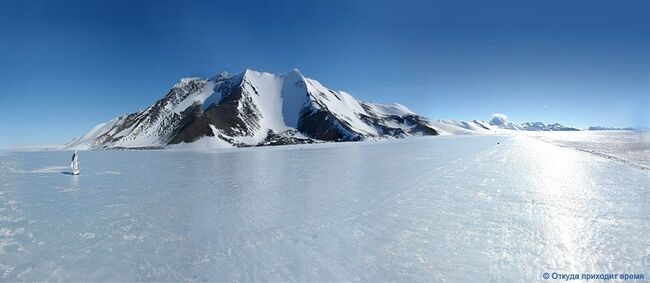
{"type": "Point", "coordinates": [251, 109]}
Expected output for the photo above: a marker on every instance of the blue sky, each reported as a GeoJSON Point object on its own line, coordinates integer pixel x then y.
{"type": "Point", "coordinates": [66, 66]}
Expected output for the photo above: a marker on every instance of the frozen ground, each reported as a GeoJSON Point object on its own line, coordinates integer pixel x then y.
{"type": "Point", "coordinates": [457, 208]}
{"type": "Point", "coordinates": [632, 147]}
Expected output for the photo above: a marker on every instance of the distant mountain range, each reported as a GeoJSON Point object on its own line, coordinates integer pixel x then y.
{"type": "Point", "coordinates": [601, 128]}
{"type": "Point", "coordinates": [453, 127]}
{"type": "Point", "coordinates": [255, 108]}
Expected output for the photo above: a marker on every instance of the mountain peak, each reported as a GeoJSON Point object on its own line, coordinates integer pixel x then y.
{"type": "Point", "coordinates": [185, 81]}
{"type": "Point", "coordinates": [294, 71]}
{"type": "Point", "coordinates": [223, 75]}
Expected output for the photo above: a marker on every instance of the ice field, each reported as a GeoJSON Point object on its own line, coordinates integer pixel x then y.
{"type": "Point", "coordinates": [454, 208]}
{"type": "Point", "coordinates": [632, 147]}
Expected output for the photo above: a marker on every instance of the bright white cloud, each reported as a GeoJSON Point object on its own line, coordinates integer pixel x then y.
{"type": "Point", "coordinates": [499, 119]}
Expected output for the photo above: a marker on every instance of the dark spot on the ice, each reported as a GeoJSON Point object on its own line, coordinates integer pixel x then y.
{"type": "Point", "coordinates": [66, 173]}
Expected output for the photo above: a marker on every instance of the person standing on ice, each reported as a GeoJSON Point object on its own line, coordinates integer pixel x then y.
{"type": "Point", "coordinates": [74, 164]}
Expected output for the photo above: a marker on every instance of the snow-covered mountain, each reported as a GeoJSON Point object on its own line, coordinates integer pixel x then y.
{"type": "Point", "coordinates": [539, 126]}
{"type": "Point", "coordinates": [254, 108]}
{"type": "Point", "coordinates": [500, 121]}
{"type": "Point", "coordinates": [497, 125]}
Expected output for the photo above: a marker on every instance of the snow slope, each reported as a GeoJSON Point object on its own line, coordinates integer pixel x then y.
{"type": "Point", "coordinates": [453, 127]}
{"type": "Point", "coordinates": [86, 141]}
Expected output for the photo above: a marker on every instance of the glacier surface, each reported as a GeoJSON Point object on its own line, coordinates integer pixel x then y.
{"type": "Point", "coordinates": [451, 208]}
{"type": "Point", "coordinates": [632, 147]}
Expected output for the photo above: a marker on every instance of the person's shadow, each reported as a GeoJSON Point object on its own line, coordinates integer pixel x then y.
{"type": "Point", "coordinates": [67, 173]}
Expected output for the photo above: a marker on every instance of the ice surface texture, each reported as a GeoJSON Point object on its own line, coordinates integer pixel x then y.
{"type": "Point", "coordinates": [632, 147]}
{"type": "Point", "coordinates": [456, 208]}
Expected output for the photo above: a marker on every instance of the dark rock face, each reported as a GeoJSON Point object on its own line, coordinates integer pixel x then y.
{"type": "Point", "coordinates": [415, 123]}
{"type": "Point", "coordinates": [285, 138]}
{"type": "Point", "coordinates": [322, 125]}
{"type": "Point", "coordinates": [192, 125]}
{"type": "Point", "coordinates": [232, 119]}
{"type": "Point", "coordinates": [224, 116]}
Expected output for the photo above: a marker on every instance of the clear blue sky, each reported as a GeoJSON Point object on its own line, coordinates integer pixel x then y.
{"type": "Point", "coordinates": [66, 66]}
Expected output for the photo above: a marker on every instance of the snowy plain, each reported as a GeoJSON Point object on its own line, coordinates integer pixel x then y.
{"type": "Point", "coordinates": [452, 208]}
{"type": "Point", "coordinates": [632, 147]}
